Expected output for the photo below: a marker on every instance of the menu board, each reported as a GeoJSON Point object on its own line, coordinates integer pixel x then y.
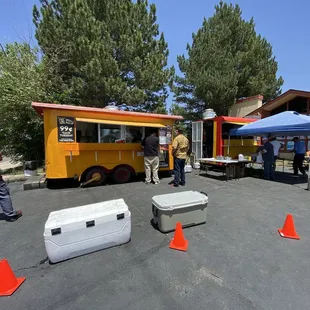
{"type": "Point", "coordinates": [65, 126]}
{"type": "Point", "coordinates": [169, 135]}
{"type": "Point", "coordinates": [163, 136]}
{"type": "Point", "coordinates": [164, 159]}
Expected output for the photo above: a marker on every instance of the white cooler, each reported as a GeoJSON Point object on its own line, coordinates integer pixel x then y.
{"type": "Point", "coordinates": [77, 231]}
{"type": "Point", "coordinates": [189, 208]}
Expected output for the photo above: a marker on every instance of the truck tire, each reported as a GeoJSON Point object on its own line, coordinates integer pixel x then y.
{"type": "Point", "coordinates": [121, 175]}
{"type": "Point", "coordinates": [93, 172]}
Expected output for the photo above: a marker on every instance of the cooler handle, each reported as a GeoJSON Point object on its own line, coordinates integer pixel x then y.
{"type": "Point", "coordinates": [120, 216]}
{"type": "Point", "coordinates": [56, 231]}
{"type": "Point", "coordinates": [204, 193]}
{"type": "Point", "coordinates": [154, 210]}
{"type": "Point", "coordinates": [90, 223]}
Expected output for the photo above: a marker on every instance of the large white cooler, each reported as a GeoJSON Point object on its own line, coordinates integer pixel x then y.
{"type": "Point", "coordinates": [76, 231]}
{"type": "Point", "coordinates": [189, 208]}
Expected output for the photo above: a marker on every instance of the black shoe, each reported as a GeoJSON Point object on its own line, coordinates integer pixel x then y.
{"type": "Point", "coordinates": [182, 184]}
{"type": "Point", "coordinates": [14, 217]}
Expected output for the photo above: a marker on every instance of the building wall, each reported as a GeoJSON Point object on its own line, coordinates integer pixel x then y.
{"type": "Point", "coordinates": [245, 106]}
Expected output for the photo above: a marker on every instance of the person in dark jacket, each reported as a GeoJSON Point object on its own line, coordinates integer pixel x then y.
{"type": "Point", "coordinates": [268, 157]}
{"type": "Point", "coordinates": [151, 159]}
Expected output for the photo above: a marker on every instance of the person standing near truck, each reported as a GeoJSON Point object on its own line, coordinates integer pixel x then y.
{"type": "Point", "coordinates": [268, 157]}
{"type": "Point", "coordinates": [180, 148]}
{"type": "Point", "coordinates": [276, 148]}
{"type": "Point", "coordinates": [151, 159]}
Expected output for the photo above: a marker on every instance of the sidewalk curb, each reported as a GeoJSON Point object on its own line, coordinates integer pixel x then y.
{"type": "Point", "coordinates": [35, 182]}
{"type": "Point", "coordinates": [39, 179]}
{"type": "Point", "coordinates": [14, 178]}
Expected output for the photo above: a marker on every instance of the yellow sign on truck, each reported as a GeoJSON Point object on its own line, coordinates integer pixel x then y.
{"type": "Point", "coordinates": [92, 143]}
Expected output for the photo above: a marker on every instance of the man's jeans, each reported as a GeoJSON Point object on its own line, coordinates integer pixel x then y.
{"type": "Point", "coordinates": [179, 174]}
{"type": "Point", "coordinates": [5, 200]}
{"type": "Point", "coordinates": [268, 171]}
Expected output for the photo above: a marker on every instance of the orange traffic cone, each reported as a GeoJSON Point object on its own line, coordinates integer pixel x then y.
{"type": "Point", "coordinates": [8, 282]}
{"type": "Point", "coordinates": [288, 230]}
{"type": "Point", "coordinates": [179, 242]}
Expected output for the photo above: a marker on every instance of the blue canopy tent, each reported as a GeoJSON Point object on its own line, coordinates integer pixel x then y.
{"type": "Point", "coordinates": [282, 124]}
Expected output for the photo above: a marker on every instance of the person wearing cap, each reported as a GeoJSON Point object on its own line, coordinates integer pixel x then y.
{"type": "Point", "coordinates": [6, 202]}
{"type": "Point", "coordinates": [276, 148]}
{"type": "Point", "coordinates": [180, 147]}
{"type": "Point", "coordinates": [268, 157]}
{"type": "Point", "coordinates": [300, 151]}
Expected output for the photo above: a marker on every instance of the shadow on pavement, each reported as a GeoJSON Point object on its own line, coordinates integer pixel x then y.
{"type": "Point", "coordinates": [71, 183]}
{"type": "Point", "coordinates": [2, 217]}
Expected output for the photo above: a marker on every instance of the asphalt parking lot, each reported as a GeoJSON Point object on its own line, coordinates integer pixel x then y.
{"type": "Point", "coordinates": [237, 260]}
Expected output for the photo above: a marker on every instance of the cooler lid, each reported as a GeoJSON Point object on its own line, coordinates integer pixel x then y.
{"type": "Point", "coordinates": [105, 211]}
{"type": "Point", "coordinates": [179, 200]}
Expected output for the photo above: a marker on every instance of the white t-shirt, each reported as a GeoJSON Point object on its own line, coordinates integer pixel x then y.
{"type": "Point", "coordinates": [276, 147]}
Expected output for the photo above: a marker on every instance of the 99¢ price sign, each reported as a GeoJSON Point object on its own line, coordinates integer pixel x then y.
{"type": "Point", "coordinates": [65, 129]}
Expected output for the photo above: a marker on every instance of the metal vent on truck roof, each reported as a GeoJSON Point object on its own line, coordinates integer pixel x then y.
{"type": "Point", "coordinates": [111, 107]}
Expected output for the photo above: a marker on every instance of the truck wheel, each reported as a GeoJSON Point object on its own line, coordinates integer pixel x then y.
{"type": "Point", "coordinates": [94, 172]}
{"type": "Point", "coordinates": [121, 175]}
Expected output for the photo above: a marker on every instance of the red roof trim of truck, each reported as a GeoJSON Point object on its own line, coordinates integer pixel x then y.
{"type": "Point", "coordinates": [40, 107]}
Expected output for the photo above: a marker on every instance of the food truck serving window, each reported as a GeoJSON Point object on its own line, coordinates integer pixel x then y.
{"type": "Point", "coordinates": [226, 127]}
{"type": "Point", "coordinates": [110, 131]}
{"type": "Point", "coordinates": [86, 132]}
{"type": "Point", "coordinates": [133, 134]}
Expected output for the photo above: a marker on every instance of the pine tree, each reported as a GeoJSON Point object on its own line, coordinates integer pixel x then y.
{"type": "Point", "coordinates": [226, 61]}
{"type": "Point", "coordinates": [106, 51]}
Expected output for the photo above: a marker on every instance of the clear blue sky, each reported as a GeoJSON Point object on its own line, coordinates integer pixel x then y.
{"type": "Point", "coordinates": [285, 24]}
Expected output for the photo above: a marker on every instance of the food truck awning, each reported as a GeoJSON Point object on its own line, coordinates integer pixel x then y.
{"type": "Point", "coordinates": [113, 122]}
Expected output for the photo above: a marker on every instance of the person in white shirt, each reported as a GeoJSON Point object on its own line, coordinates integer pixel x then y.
{"type": "Point", "coordinates": [276, 147]}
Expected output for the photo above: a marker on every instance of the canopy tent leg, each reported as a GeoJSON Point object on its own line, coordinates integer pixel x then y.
{"type": "Point", "coordinates": [228, 145]}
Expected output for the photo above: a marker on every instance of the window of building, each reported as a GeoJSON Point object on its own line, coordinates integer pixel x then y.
{"type": "Point", "coordinates": [86, 132]}
{"type": "Point", "coordinates": [110, 133]}
{"type": "Point", "coordinates": [133, 134]}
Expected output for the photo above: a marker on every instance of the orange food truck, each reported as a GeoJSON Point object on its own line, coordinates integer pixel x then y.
{"type": "Point", "coordinates": [90, 144]}
{"type": "Point", "coordinates": [210, 138]}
